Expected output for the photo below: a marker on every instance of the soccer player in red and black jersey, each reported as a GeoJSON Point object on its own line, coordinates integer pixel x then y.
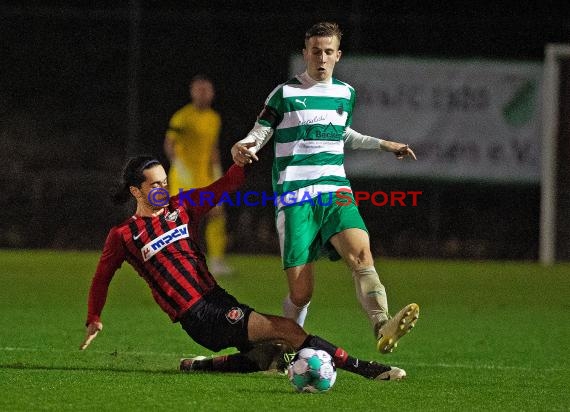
{"type": "Point", "coordinates": [161, 242]}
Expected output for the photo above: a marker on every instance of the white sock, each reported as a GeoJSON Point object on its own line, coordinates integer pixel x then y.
{"type": "Point", "coordinates": [292, 311]}
{"type": "Point", "coordinates": [372, 296]}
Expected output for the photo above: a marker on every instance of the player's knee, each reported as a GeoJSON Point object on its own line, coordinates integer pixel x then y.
{"type": "Point", "coordinates": [300, 298]}
{"type": "Point", "coordinates": [359, 259]}
{"type": "Point", "coordinates": [300, 293]}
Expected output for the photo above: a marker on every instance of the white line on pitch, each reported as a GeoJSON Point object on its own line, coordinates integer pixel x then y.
{"type": "Point", "coordinates": [478, 366]}
{"type": "Point", "coordinates": [120, 352]}
{"type": "Point", "coordinates": [409, 364]}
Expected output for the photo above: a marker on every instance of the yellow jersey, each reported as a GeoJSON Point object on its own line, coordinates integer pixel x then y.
{"type": "Point", "coordinates": [195, 134]}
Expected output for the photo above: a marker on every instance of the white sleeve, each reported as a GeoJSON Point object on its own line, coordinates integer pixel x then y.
{"type": "Point", "coordinates": [355, 140]}
{"type": "Point", "coordinates": [259, 135]}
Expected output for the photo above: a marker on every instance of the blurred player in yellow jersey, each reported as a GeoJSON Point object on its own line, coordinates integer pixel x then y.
{"type": "Point", "coordinates": [191, 145]}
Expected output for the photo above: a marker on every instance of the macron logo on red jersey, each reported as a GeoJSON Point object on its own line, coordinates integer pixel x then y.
{"type": "Point", "coordinates": [156, 245]}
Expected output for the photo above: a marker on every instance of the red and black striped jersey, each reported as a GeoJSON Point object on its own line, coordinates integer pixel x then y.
{"type": "Point", "coordinates": [164, 250]}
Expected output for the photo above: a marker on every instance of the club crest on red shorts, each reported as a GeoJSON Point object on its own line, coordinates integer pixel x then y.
{"type": "Point", "coordinates": [234, 315]}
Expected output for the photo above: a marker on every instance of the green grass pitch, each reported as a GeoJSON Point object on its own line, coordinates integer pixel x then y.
{"type": "Point", "coordinates": [491, 336]}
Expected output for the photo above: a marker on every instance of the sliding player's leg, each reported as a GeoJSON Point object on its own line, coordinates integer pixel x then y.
{"type": "Point", "coordinates": [269, 328]}
{"type": "Point", "coordinates": [265, 356]}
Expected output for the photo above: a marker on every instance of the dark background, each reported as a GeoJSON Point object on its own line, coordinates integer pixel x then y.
{"type": "Point", "coordinates": [85, 86]}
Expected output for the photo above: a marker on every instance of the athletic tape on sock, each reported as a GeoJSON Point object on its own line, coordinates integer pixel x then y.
{"type": "Point", "coordinates": [371, 294]}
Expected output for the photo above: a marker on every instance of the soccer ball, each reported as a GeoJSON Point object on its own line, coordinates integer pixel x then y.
{"type": "Point", "coordinates": [312, 370]}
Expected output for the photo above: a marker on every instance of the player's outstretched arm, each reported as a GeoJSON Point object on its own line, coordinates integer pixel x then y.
{"type": "Point", "coordinates": [92, 330]}
{"type": "Point", "coordinates": [358, 141]}
{"type": "Point", "coordinates": [401, 150]}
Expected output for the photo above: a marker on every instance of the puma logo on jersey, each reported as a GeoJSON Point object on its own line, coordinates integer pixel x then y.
{"type": "Point", "coordinates": [303, 102]}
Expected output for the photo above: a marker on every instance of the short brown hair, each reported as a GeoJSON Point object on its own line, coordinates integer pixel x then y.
{"type": "Point", "coordinates": [201, 78]}
{"type": "Point", "coordinates": [324, 29]}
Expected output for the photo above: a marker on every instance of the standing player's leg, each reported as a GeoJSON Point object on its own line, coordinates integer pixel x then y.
{"type": "Point", "coordinates": [298, 229]}
{"type": "Point", "coordinates": [301, 283]}
{"type": "Point", "coordinates": [354, 247]}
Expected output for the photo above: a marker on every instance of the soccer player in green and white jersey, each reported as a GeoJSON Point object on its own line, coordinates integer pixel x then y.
{"type": "Point", "coordinates": [309, 117]}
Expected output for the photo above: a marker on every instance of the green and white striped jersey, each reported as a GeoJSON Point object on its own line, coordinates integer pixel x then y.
{"type": "Point", "coordinates": [309, 119]}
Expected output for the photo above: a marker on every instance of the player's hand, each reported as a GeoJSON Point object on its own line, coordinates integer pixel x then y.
{"type": "Point", "coordinates": [242, 155]}
{"type": "Point", "coordinates": [92, 330]}
{"type": "Point", "coordinates": [404, 151]}
{"type": "Point", "coordinates": [399, 149]}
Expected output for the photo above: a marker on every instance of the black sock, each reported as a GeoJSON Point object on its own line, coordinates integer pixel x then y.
{"type": "Point", "coordinates": [237, 363]}
{"type": "Point", "coordinates": [342, 359]}
{"type": "Point", "coordinates": [368, 369]}
{"type": "Point", "coordinates": [260, 357]}
{"type": "Point", "coordinates": [339, 355]}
